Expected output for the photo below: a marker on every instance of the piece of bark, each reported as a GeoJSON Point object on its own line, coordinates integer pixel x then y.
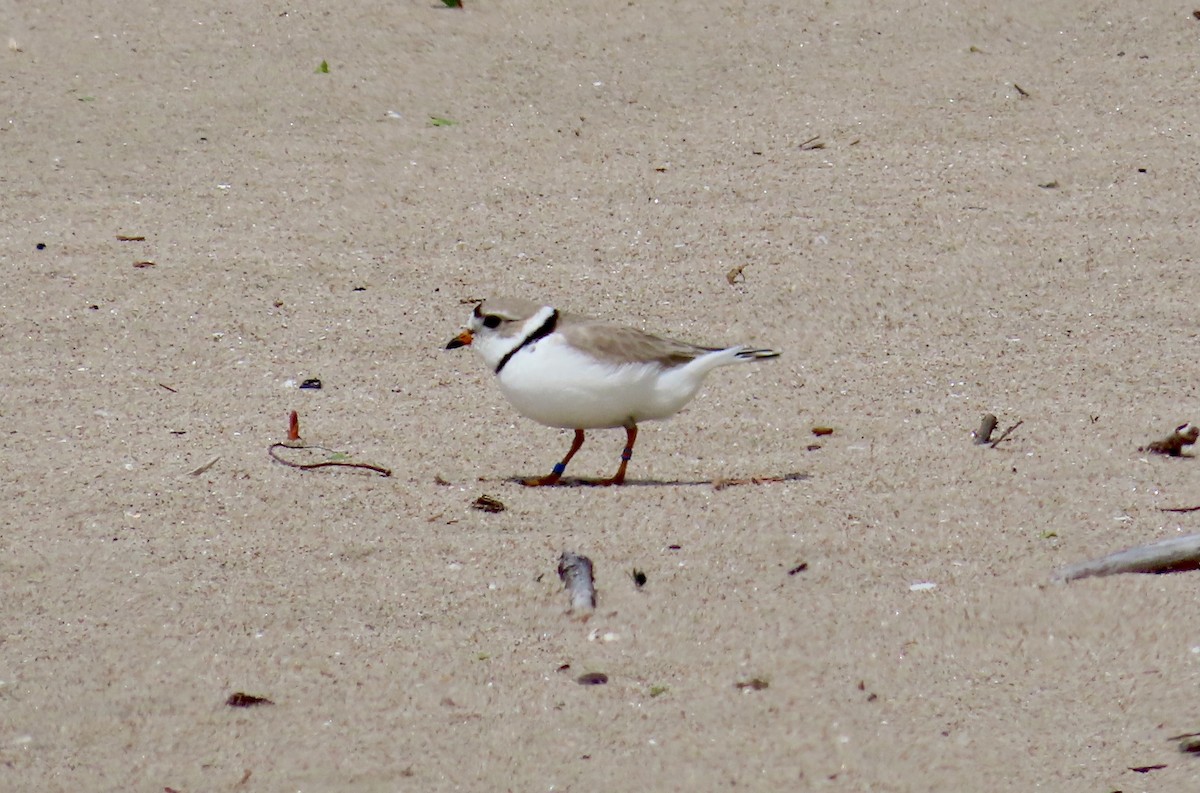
{"type": "Point", "coordinates": [240, 699]}
{"type": "Point", "coordinates": [1169, 556]}
{"type": "Point", "coordinates": [486, 503]}
{"type": "Point", "coordinates": [575, 571]}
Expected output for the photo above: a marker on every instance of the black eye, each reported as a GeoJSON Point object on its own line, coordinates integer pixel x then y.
{"type": "Point", "coordinates": [491, 321]}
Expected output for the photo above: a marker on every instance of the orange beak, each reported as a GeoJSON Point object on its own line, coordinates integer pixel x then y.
{"type": "Point", "coordinates": [461, 340]}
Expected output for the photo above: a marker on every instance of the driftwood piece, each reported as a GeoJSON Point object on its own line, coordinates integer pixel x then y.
{"type": "Point", "coordinates": [1169, 556]}
{"type": "Point", "coordinates": [987, 425]}
{"type": "Point", "coordinates": [1172, 445]}
{"type": "Point", "coordinates": [575, 571]}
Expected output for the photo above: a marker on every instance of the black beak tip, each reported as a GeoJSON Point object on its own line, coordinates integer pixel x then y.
{"type": "Point", "coordinates": [454, 344]}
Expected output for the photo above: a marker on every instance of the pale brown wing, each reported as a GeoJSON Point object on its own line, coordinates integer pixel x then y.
{"type": "Point", "coordinates": [616, 344]}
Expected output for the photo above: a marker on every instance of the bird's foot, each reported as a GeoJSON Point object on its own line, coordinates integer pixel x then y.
{"type": "Point", "coordinates": [553, 477]}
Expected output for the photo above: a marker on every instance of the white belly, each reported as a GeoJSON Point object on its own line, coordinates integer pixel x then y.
{"type": "Point", "coordinates": [555, 385]}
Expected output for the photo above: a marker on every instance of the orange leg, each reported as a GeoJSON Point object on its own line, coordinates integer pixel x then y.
{"type": "Point", "coordinates": [553, 477]}
{"type": "Point", "coordinates": [626, 456]}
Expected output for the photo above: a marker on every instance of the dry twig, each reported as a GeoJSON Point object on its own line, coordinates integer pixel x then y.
{"type": "Point", "coordinates": [1006, 433]}
{"type": "Point", "coordinates": [324, 463]}
{"type": "Point", "coordinates": [291, 443]}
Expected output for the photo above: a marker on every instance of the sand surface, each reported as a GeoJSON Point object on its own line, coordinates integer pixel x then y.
{"type": "Point", "coordinates": [923, 240]}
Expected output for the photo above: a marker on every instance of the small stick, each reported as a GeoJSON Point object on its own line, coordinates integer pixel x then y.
{"type": "Point", "coordinates": [721, 484]}
{"type": "Point", "coordinates": [1169, 556]}
{"type": "Point", "coordinates": [324, 464]}
{"type": "Point", "coordinates": [1184, 736]}
{"type": "Point", "coordinates": [1006, 433]}
{"type": "Point", "coordinates": [1179, 509]}
{"type": "Point", "coordinates": [205, 467]}
{"type": "Point", "coordinates": [987, 425]}
{"type": "Point", "coordinates": [575, 571]}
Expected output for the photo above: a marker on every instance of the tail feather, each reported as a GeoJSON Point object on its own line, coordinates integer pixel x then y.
{"type": "Point", "coordinates": [724, 356]}
{"type": "Point", "coordinates": [756, 355]}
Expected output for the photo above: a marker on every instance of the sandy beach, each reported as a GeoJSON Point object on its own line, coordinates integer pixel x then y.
{"type": "Point", "coordinates": [933, 212]}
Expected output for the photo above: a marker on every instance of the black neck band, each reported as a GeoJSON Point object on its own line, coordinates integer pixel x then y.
{"type": "Point", "coordinates": [545, 330]}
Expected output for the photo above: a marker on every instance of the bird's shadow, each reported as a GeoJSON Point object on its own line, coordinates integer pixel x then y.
{"type": "Point", "coordinates": [720, 483]}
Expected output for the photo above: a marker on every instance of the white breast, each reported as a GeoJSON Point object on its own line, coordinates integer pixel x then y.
{"type": "Point", "coordinates": [554, 384]}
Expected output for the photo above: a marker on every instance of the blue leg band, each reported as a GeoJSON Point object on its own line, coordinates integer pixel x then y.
{"type": "Point", "coordinates": [559, 468]}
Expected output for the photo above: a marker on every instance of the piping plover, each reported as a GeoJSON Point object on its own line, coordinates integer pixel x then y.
{"type": "Point", "coordinates": [579, 373]}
